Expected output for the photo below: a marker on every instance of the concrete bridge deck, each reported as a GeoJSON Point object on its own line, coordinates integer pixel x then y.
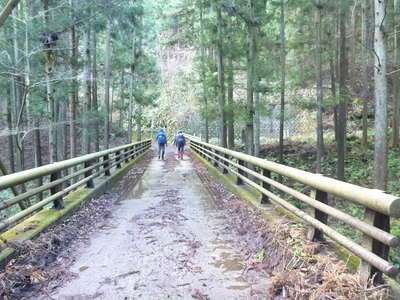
{"type": "Point", "coordinates": [166, 240]}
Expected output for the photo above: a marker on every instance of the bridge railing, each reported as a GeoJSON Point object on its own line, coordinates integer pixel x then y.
{"type": "Point", "coordinates": [379, 207]}
{"type": "Point", "coordinates": [82, 170]}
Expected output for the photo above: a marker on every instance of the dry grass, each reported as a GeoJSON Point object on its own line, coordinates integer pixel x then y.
{"type": "Point", "coordinates": [308, 271]}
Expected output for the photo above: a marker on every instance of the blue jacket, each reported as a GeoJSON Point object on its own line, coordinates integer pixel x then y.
{"type": "Point", "coordinates": [161, 135]}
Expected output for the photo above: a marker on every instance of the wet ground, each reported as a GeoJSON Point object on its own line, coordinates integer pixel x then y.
{"type": "Point", "coordinates": [166, 240]}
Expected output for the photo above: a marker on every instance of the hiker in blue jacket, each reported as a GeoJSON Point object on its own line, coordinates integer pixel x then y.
{"type": "Point", "coordinates": [162, 143]}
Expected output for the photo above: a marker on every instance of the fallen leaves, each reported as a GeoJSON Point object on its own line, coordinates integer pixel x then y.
{"type": "Point", "coordinates": [42, 265]}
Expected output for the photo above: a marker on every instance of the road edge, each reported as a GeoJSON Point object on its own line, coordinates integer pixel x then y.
{"type": "Point", "coordinates": [47, 217]}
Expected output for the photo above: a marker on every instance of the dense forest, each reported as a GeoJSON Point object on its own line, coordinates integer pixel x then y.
{"type": "Point", "coordinates": [312, 84]}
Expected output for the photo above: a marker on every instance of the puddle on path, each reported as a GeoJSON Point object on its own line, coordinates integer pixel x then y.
{"type": "Point", "coordinates": [166, 240]}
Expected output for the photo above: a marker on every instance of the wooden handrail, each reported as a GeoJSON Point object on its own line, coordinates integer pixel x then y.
{"type": "Point", "coordinates": [27, 175]}
{"type": "Point", "coordinates": [379, 205]}
{"type": "Point", "coordinates": [92, 164]}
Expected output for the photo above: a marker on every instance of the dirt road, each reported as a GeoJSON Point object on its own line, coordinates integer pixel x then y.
{"type": "Point", "coordinates": [166, 240]}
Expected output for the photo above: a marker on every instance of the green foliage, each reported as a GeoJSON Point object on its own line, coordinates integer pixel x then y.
{"type": "Point", "coordinates": [261, 255]}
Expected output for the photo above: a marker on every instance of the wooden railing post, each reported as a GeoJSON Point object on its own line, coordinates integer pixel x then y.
{"type": "Point", "coordinates": [132, 152]}
{"type": "Point", "coordinates": [314, 234]}
{"type": "Point", "coordinates": [216, 164]}
{"type": "Point", "coordinates": [90, 183]}
{"type": "Point", "coordinates": [225, 165]}
{"type": "Point", "coordinates": [126, 155]}
{"type": "Point", "coordinates": [380, 221]}
{"type": "Point", "coordinates": [264, 198]}
{"type": "Point", "coordinates": [106, 164]}
{"type": "Point", "coordinates": [58, 203]}
{"type": "Point", "coordinates": [118, 158]}
{"type": "Point", "coordinates": [239, 181]}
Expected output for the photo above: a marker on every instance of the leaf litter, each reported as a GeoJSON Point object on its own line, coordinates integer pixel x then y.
{"type": "Point", "coordinates": [41, 265]}
{"type": "Point", "coordinates": [299, 269]}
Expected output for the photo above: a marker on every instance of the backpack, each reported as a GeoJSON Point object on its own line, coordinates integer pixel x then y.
{"type": "Point", "coordinates": [162, 139]}
{"type": "Point", "coordinates": [181, 139]}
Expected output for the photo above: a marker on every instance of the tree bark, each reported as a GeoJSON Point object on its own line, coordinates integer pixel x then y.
{"type": "Point", "coordinates": [11, 146]}
{"type": "Point", "coordinates": [343, 93]}
{"type": "Point", "coordinates": [74, 98]}
{"type": "Point", "coordinates": [18, 83]}
{"type": "Point", "coordinates": [380, 154]}
{"type": "Point", "coordinates": [130, 111]}
{"type": "Point", "coordinates": [251, 59]}
{"type": "Point", "coordinates": [203, 73]}
{"type": "Point", "coordinates": [95, 101]}
{"type": "Point", "coordinates": [396, 80]}
{"type": "Point", "coordinates": [318, 56]}
{"type": "Point", "coordinates": [257, 125]}
{"type": "Point", "coordinates": [107, 85]}
{"type": "Point", "coordinates": [50, 62]}
{"type": "Point", "coordinates": [122, 102]}
{"type": "Point", "coordinates": [365, 29]}
{"type": "Point", "coordinates": [283, 80]}
{"type": "Point", "coordinates": [139, 122]}
{"type": "Point", "coordinates": [86, 140]}
{"type": "Point", "coordinates": [230, 109]}
{"type": "Point", "coordinates": [5, 13]}
{"type": "Point", "coordinates": [221, 76]}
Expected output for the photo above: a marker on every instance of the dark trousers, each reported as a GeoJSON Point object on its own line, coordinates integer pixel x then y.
{"type": "Point", "coordinates": [161, 151]}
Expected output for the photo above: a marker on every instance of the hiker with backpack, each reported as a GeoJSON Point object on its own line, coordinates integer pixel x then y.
{"type": "Point", "coordinates": [162, 143]}
{"type": "Point", "coordinates": [180, 142]}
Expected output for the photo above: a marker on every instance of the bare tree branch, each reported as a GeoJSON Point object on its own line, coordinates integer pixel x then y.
{"type": "Point", "coordinates": [7, 10]}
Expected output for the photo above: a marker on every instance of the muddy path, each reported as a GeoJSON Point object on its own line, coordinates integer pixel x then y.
{"type": "Point", "coordinates": [166, 239]}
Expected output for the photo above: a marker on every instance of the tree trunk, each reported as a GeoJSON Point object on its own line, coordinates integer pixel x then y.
{"type": "Point", "coordinates": [283, 80]}
{"type": "Point", "coordinates": [365, 29]}
{"type": "Point", "coordinates": [11, 145]}
{"type": "Point", "coordinates": [86, 132]}
{"type": "Point", "coordinates": [130, 111]}
{"type": "Point", "coordinates": [396, 79]}
{"type": "Point", "coordinates": [17, 86]}
{"type": "Point", "coordinates": [62, 131]}
{"type": "Point", "coordinates": [74, 89]}
{"type": "Point", "coordinates": [251, 60]}
{"type": "Point", "coordinates": [318, 55]}
{"type": "Point", "coordinates": [8, 8]}
{"type": "Point", "coordinates": [203, 73]}
{"type": "Point", "coordinates": [257, 125]}
{"type": "Point", "coordinates": [95, 101]}
{"type": "Point", "coordinates": [353, 40]}
{"type": "Point", "coordinates": [37, 153]}
{"type": "Point", "coordinates": [380, 154]}
{"type": "Point", "coordinates": [139, 122]}
{"type": "Point", "coordinates": [230, 115]}
{"type": "Point", "coordinates": [50, 62]}
{"type": "Point", "coordinates": [107, 77]}
{"type": "Point", "coordinates": [122, 102]}
{"type": "Point", "coordinates": [343, 93]}
{"type": "Point", "coordinates": [221, 76]}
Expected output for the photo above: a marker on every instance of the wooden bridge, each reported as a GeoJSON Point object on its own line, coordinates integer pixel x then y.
{"type": "Point", "coordinates": [68, 184]}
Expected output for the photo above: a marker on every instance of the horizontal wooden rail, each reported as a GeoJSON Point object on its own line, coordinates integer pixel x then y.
{"type": "Point", "coordinates": [94, 165]}
{"type": "Point", "coordinates": [374, 253]}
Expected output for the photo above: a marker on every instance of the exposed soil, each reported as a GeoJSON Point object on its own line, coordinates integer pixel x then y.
{"type": "Point", "coordinates": [42, 264]}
